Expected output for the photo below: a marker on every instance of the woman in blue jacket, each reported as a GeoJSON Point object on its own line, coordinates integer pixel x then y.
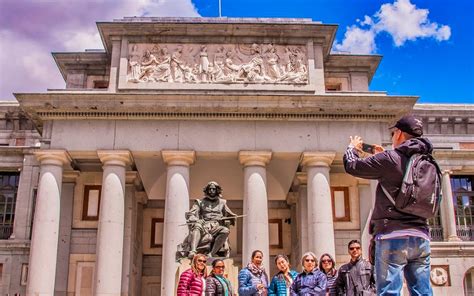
{"type": "Point", "coordinates": [253, 280]}
{"type": "Point", "coordinates": [281, 282]}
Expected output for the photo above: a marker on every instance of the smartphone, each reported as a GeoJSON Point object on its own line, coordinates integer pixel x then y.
{"type": "Point", "coordinates": [369, 148]}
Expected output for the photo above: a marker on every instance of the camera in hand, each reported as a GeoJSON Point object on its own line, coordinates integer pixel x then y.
{"type": "Point", "coordinates": [368, 148]}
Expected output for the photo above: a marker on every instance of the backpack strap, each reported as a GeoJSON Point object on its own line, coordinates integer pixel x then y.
{"type": "Point", "coordinates": [405, 176]}
{"type": "Point", "coordinates": [390, 198]}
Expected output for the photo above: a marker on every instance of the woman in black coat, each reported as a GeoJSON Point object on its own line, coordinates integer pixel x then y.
{"type": "Point", "coordinates": [216, 283]}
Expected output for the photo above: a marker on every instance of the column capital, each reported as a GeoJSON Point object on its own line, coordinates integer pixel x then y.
{"type": "Point", "coordinates": [446, 172]}
{"type": "Point", "coordinates": [292, 198]}
{"type": "Point", "coordinates": [362, 182]}
{"type": "Point", "coordinates": [323, 158]}
{"type": "Point", "coordinates": [254, 158]}
{"type": "Point", "coordinates": [178, 157]}
{"type": "Point", "coordinates": [302, 178]}
{"type": "Point", "coordinates": [115, 157]}
{"type": "Point", "coordinates": [70, 176]}
{"type": "Point", "coordinates": [54, 157]}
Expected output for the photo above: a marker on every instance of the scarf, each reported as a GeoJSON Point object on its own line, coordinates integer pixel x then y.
{"type": "Point", "coordinates": [259, 272]}
{"type": "Point", "coordinates": [225, 284]}
{"type": "Point", "coordinates": [256, 270]}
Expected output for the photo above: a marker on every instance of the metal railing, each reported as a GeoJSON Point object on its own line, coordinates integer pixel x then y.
{"type": "Point", "coordinates": [6, 231]}
{"type": "Point", "coordinates": [465, 232]}
{"type": "Point", "coordinates": [436, 233]}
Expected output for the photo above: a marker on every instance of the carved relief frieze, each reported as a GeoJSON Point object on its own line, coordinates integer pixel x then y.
{"type": "Point", "coordinates": [217, 63]}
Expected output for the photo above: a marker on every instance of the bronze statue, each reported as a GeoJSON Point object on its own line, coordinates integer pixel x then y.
{"type": "Point", "coordinates": [208, 221]}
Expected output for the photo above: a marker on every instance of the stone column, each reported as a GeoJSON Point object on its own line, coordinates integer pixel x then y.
{"type": "Point", "coordinates": [448, 218]}
{"type": "Point", "coordinates": [28, 178]}
{"type": "Point", "coordinates": [176, 204]}
{"type": "Point", "coordinates": [303, 213]}
{"type": "Point", "coordinates": [109, 250]}
{"type": "Point", "coordinates": [365, 211]}
{"type": "Point", "coordinates": [320, 219]}
{"type": "Point", "coordinates": [255, 223]}
{"type": "Point", "coordinates": [65, 227]}
{"type": "Point", "coordinates": [44, 241]}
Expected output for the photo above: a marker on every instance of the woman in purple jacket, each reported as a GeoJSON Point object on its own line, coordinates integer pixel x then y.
{"type": "Point", "coordinates": [192, 281]}
{"type": "Point", "coordinates": [311, 282]}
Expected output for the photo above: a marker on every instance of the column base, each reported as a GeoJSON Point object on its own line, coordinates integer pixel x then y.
{"type": "Point", "coordinates": [454, 238]}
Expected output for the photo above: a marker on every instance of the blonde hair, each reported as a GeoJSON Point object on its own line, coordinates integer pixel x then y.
{"type": "Point", "coordinates": [194, 265]}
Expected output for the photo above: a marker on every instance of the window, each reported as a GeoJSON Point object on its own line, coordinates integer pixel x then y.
{"type": "Point", "coordinates": [463, 199]}
{"type": "Point", "coordinates": [340, 204]}
{"type": "Point", "coordinates": [101, 84]}
{"type": "Point", "coordinates": [333, 87]}
{"type": "Point", "coordinates": [469, 282]}
{"type": "Point", "coordinates": [275, 230]}
{"type": "Point", "coordinates": [8, 190]}
{"type": "Point", "coordinates": [156, 233]}
{"type": "Point", "coordinates": [91, 203]}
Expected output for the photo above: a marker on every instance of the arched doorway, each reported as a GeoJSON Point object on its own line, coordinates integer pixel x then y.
{"type": "Point", "coordinates": [469, 282]}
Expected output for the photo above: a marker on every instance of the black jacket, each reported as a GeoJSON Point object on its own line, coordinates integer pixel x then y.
{"type": "Point", "coordinates": [214, 287]}
{"type": "Point", "coordinates": [356, 279]}
{"type": "Point", "coordinates": [388, 168]}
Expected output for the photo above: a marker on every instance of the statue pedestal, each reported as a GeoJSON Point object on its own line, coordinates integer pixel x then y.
{"type": "Point", "coordinates": [231, 270]}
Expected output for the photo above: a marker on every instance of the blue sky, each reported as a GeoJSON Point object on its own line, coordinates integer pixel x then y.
{"type": "Point", "coordinates": [427, 46]}
{"type": "Point", "coordinates": [437, 71]}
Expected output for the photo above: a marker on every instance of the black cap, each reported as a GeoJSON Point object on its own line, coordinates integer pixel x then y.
{"type": "Point", "coordinates": [410, 125]}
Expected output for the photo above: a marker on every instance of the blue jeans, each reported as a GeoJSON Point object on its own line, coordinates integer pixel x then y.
{"type": "Point", "coordinates": [409, 255]}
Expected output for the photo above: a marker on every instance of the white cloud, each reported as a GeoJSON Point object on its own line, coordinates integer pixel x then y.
{"type": "Point", "coordinates": [26, 66]}
{"type": "Point", "coordinates": [402, 20]}
{"type": "Point", "coordinates": [357, 41]}
{"type": "Point", "coordinates": [81, 40]}
{"type": "Point", "coordinates": [26, 63]}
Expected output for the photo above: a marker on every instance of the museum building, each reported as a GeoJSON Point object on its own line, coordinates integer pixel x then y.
{"type": "Point", "coordinates": [96, 178]}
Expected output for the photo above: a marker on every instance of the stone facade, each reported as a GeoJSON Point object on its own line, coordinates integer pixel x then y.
{"type": "Point", "coordinates": [110, 164]}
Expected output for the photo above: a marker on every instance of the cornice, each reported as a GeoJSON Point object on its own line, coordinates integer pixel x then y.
{"type": "Point", "coordinates": [216, 29]}
{"type": "Point", "coordinates": [452, 249]}
{"type": "Point", "coordinates": [464, 154]}
{"type": "Point", "coordinates": [86, 105]}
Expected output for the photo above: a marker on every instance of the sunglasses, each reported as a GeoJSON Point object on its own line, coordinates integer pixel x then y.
{"type": "Point", "coordinates": [393, 133]}
{"type": "Point", "coordinates": [326, 261]}
{"type": "Point", "coordinates": [201, 261]}
{"type": "Point", "coordinates": [309, 260]}
{"type": "Point", "coordinates": [221, 267]}
{"type": "Point", "coordinates": [354, 248]}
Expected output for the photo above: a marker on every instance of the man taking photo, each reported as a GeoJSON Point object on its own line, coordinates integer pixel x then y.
{"type": "Point", "coordinates": [402, 243]}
